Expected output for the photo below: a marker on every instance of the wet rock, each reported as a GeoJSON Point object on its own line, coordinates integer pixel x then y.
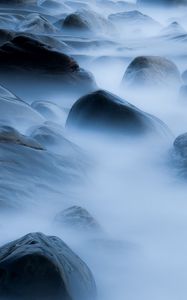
{"type": "Point", "coordinates": [87, 21]}
{"type": "Point", "coordinates": [106, 113]}
{"type": "Point", "coordinates": [38, 267]}
{"type": "Point", "coordinates": [10, 135]}
{"type": "Point", "coordinates": [151, 72]}
{"type": "Point", "coordinates": [77, 219]}
{"type": "Point", "coordinates": [18, 2]}
{"type": "Point", "coordinates": [40, 66]}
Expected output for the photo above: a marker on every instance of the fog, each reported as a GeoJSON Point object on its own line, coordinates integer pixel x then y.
{"type": "Point", "coordinates": [129, 185]}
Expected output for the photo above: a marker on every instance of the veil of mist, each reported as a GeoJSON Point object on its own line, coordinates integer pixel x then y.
{"type": "Point", "coordinates": [93, 149]}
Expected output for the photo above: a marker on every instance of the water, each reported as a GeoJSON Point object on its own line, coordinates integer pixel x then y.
{"type": "Point", "coordinates": [130, 188]}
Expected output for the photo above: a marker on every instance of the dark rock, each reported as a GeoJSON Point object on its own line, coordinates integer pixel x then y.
{"type": "Point", "coordinates": [77, 219]}
{"type": "Point", "coordinates": [38, 267]}
{"type": "Point", "coordinates": [6, 35]}
{"type": "Point", "coordinates": [10, 135]}
{"type": "Point", "coordinates": [40, 66]}
{"type": "Point", "coordinates": [18, 2]}
{"type": "Point", "coordinates": [180, 145]}
{"type": "Point", "coordinates": [27, 53]}
{"type": "Point", "coordinates": [151, 72]}
{"type": "Point", "coordinates": [87, 21]}
{"type": "Point", "coordinates": [108, 113]}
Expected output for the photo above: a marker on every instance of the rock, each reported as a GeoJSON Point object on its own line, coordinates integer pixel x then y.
{"type": "Point", "coordinates": [152, 72]}
{"type": "Point", "coordinates": [38, 24]}
{"type": "Point", "coordinates": [5, 35]}
{"type": "Point", "coordinates": [10, 135]}
{"type": "Point", "coordinates": [38, 267]}
{"type": "Point", "coordinates": [107, 113]}
{"type": "Point", "coordinates": [16, 2]}
{"type": "Point", "coordinates": [53, 138]}
{"type": "Point", "coordinates": [87, 21]}
{"type": "Point", "coordinates": [180, 145]}
{"type": "Point", "coordinates": [78, 219]}
{"type": "Point", "coordinates": [40, 66]}
{"type": "Point", "coordinates": [134, 22]}
{"type": "Point", "coordinates": [173, 30]}
{"type": "Point", "coordinates": [16, 113]}
{"type": "Point", "coordinates": [50, 111]}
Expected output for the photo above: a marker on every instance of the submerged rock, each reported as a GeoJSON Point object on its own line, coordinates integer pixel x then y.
{"type": "Point", "coordinates": [36, 23]}
{"type": "Point", "coordinates": [38, 267]}
{"type": "Point", "coordinates": [77, 219]}
{"type": "Point", "coordinates": [50, 111]}
{"type": "Point", "coordinates": [109, 114]}
{"type": "Point", "coordinates": [173, 30]}
{"type": "Point", "coordinates": [134, 22]}
{"type": "Point", "coordinates": [16, 112]}
{"type": "Point", "coordinates": [10, 135]}
{"type": "Point", "coordinates": [151, 72]}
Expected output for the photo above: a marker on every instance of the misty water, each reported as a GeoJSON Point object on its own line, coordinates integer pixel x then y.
{"type": "Point", "coordinates": [130, 185]}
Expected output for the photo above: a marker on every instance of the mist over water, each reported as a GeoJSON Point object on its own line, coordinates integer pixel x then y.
{"type": "Point", "coordinates": [129, 185]}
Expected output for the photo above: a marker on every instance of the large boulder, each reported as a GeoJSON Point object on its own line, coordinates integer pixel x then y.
{"type": "Point", "coordinates": [43, 71]}
{"type": "Point", "coordinates": [151, 72]}
{"type": "Point", "coordinates": [105, 112]}
{"type": "Point", "coordinates": [38, 267]}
